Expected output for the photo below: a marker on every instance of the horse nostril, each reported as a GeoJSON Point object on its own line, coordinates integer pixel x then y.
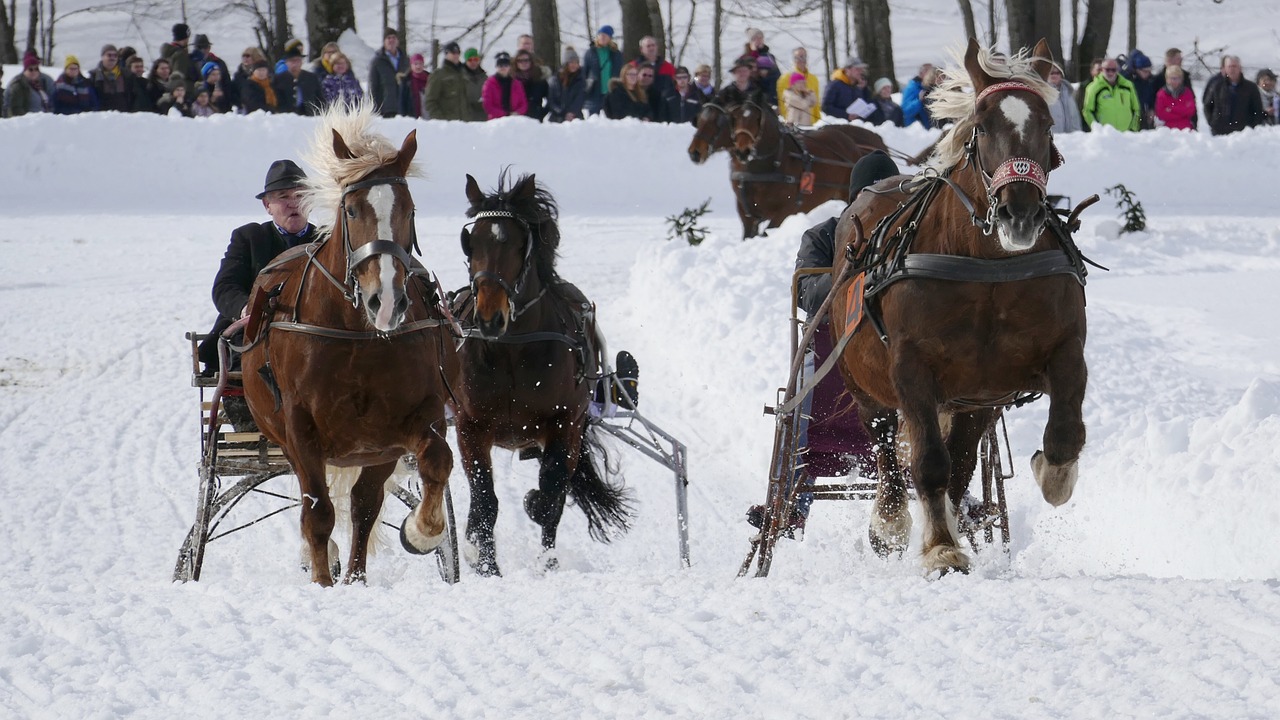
{"type": "Point", "coordinates": [402, 304]}
{"type": "Point", "coordinates": [374, 302]}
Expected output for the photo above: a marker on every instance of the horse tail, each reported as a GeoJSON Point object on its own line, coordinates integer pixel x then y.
{"type": "Point", "coordinates": [607, 505]}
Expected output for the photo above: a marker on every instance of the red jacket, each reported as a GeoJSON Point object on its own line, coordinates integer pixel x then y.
{"type": "Point", "coordinates": [1179, 112]}
{"type": "Point", "coordinates": [491, 97]}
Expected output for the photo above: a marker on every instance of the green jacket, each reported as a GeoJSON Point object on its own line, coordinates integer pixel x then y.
{"type": "Point", "coordinates": [1115, 105]}
{"type": "Point", "coordinates": [446, 94]}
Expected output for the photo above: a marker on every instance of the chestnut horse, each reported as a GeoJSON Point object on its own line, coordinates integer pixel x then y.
{"type": "Point", "coordinates": [529, 365]}
{"type": "Point", "coordinates": [712, 133]}
{"type": "Point", "coordinates": [974, 299]}
{"type": "Point", "coordinates": [354, 360]}
{"type": "Point", "coordinates": [777, 170]}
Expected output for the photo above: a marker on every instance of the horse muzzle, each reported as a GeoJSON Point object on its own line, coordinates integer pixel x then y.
{"type": "Point", "coordinates": [386, 308]}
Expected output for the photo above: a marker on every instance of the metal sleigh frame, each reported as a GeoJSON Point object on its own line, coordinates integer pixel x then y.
{"type": "Point", "coordinates": [788, 458]}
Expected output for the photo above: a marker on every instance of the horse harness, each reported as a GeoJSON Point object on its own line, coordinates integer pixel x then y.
{"type": "Point", "coordinates": [768, 169]}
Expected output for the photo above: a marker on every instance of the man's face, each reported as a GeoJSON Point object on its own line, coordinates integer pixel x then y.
{"type": "Point", "coordinates": [704, 78]}
{"type": "Point", "coordinates": [649, 48]}
{"type": "Point", "coordinates": [646, 77]}
{"type": "Point", "coordinates": [137, 68]}
{"type": "Point", "coordinates": [1174, 59]}
{"type": "Point", "coordinates": [800, 59]}
{"type": "Point", "coordinates": [453, 55]}
{"type": "Point", "coordinates": [285, 208]}
{"type": "Point", "coordinates": [32, 72]}
{"type": "Point", "coordinates": [473, 62]}
{"type": "Point", "coordinates": [109, 59]}
{"type": "Point", "coordinates": [858, 73]}
{"type": "Point", "coordinates": [525, 42]}
{"type": "Point", "coordinates": [260, 73]}
{"type": "Point", "coordinates": [742, 75]}
{"type": "Point", "coordinates": [1110, 71]}
{"type": "Point", "coordinates": [1144, 73]}
{"type": "Point", "coordinates": [1232, 70]}
{"type": "Point", "coordinates": [73, 71]}
{"type": "Point", "coordinates": [1055, 77]}
{"type": "Point", "coordinates": [682, 81]}
{"type": "Point", "coordinates": [294, 64]}
{"type": "Point", "coordinates": [757, 40]}
{"type": "Point", "coordinates": [391, 43]}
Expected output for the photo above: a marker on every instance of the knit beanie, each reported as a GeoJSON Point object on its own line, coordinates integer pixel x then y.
{"type": "Point", "coordinates": [570, 55]}
{"type": "Point", "coordinates": [797, 78]}
{"type": "Point", "coordinates": [883, 83]}
{"type": "Point", "coordinates": [208, 68]}
{"type": "Point", "coordinates": [181, 32]}
{"type": "Point", "coordinates": [71, 60]}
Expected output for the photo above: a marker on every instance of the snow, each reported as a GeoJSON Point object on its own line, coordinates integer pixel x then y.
{"type": "Point", "coordinates": [1154, 592]}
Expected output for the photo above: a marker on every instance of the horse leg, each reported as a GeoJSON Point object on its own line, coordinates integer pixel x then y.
{"type": "Point", "coordinates": [545, 505]}
{"type": "Point", "coordinates": [967, 429]}
{"type": "Point", "coordinates": [1055, 466]}
{"type": "Point", "coordinates": [366, 504]}
{"type": "Point", "coordinates": [317, 508]}
{"type": "Point", "coordinates": [930, 465]}
{"type": "Point", "coordinates": [890, 518]}
{"type": "Point", "coordinates": [424, 529]}
{"type": "Point", "coordinates": [482, 555]}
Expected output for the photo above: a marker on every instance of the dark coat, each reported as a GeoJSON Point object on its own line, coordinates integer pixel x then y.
{"type": "Point", "coordinates": [384, 81]}
{"type": "Point", "coordinates": [817, 249]}
{"type": "Point", "coordinates": [139, 94]}
{"type": "Point", "coordinates": [597, 86]}
{"type": "Point", "coordinates": [254, 98]}
{"type": "Point", "coordinates": [111, 87]}
{"type": "Point", "coordinates": [619, 104]}
{"type": "Point", "coordinates": [566, 97]}
{"type": "Point", "coordinates": [1228, 108]}
{"type": "Point", "coordinates": [252, 246]}
{"type": "Point", "coordinates": [840, 94]}
{"type": "Point", "coordinates": [536, 91]}
{"type": "Point", "coordinates": [683, 109]}
{"type": "Point", "coordinates": [74, 96]}
{"type": "Point", "coordinates": [446, 95]}
{"type": "Point", "coordinates": [887, 112]}
{"type": "Point", "coordinates": [287, 86]}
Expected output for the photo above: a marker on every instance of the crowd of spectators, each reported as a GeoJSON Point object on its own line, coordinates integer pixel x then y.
{"type": "Point", "coordinates": [189, 79]}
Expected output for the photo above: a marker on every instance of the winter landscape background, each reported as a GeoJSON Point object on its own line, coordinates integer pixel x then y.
{"type": "Point", "coordinates": [1154, 592]}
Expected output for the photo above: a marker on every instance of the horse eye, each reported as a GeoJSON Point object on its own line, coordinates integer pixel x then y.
{"type": "Point", "coordinates": [351, 212]}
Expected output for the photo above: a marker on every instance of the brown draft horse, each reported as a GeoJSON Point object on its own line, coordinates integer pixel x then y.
{"type": "Point", "coordinates": [777, 170]}
{"type": "Point", "coordinates": [529, 364]}
{"type": "Point", "coordinates": [712, 133]}
{"type": "Point", "coordinates": [353, 363]}
{"type": "Point", "coordinates": [974, 297]}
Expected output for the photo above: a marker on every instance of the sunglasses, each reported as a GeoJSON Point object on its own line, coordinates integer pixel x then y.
{"type": "Point", "coordinates": [1110, 70]}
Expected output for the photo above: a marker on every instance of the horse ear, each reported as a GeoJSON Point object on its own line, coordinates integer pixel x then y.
{"type": "Point", "coordinates": [526, 187]}
{"type": "Point", "coordinates": [474, 195]}
{"type": "Point", "coordinates": [408, 149]}
{"type": "Point", "coordinates": [466, 242]}
{"type": "Point", "coordinates": [979, 76]}
{"type": "Point", "coordinates": [1042, 59]}
{"type": "Point", "coordinates": [340, 149]}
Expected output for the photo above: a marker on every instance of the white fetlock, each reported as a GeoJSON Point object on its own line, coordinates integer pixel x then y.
{"type": "Point", "coordinates": [304, 557]}
{"type": "Point", "coordinates": [1057, 482]}
{"type": "Point", "coordinates": [421, 542]}
{"type": "Point", "coordinates": [943, 559]}
{"type": "Point", "coordinates": [893, 533]}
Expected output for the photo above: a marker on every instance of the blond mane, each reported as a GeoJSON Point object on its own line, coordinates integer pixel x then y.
{"type": "Point", "coordinates": [323, 189]}
{"type": "Point", "coordinates": [954, 99]}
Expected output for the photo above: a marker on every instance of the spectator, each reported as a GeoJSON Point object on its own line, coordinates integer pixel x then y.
{"type": "Point", "coordinates": [1175, 102]}
{"type": "Point", "coordinates": [340, 85]}
{"type": "Point", "coordinates": [1233, 103]}
{"type": "Point", "coordinates": [744, 76]}
{"type": "Point", "coordinates": [248, 58]}
{"type": "Point", "coordinates": [913, 96]}
{"type": "Point", "coordinates": [385, 71]}
{"type": "Point", "coordinates": [503, 95]}
{"type": "Point", "coordinates": [769, 71]}
{"type": "Point", "coordinates": [158, 81]}
{"type": "Point", "coordinates": [31, 92]}
{"type": "Point", "coordinates": [109, 82]}
{"type": "Point", "coordinates": [799, 101]}
{"type": "Point", "coordinates": [686, 103]}
{"type": "Point", "coordinates": [524, 43]}
{"type": "Point", "coordinates": [702, 81]}
{"type": "Point", "coordinates": [1066, 116]}
{"type": "Point", "coordinates": [200, 107]}
{"type": "Point", "coordinates": [322, 66]}
{"type": "Point", "coordinates": [887, 111]}
{"type": "Point", "coordinates": [446, 95]}
{"type": "Point", "coordinates": [139, 92]}
{"type": "Point", "coordinates": [1112, 100]}
{"type": "Point", "coordinates": [657, 101]}
{"type": "Point", "coordinates": [1266, 82]}
{"type": "Point", "coordinates": [415, 86]}
{"type": "Point", "coordinates": [297, 91]}
{"type": "Point", "coordinates": [535, 85]}
{"type": "Point", "coordinates": [175, 97]}
{"type": "Point", "coordinates": [567, 91]}
{"type": "Point", "coordinates": [257, 93]}
{"type": "Point", "coordinates": [476, 77]}
{"type": "Point", "coordinates": [602, 64]}
{"type": "Point", "coordinates": [664, 77]}
{"type": "Point", "coordinates": [800, 61]}
{"type": "Point", "coordinates": [1095, 69]}
{"type": "Point", "coordinates": [1172, 58]}
{"type": "Point", "coordinates": [848, 85]}
{"type": "Point", "coordinates": [288, 48]}
{"type": "Point", "coordinates": [626, 98]}
{"type": "Point", "coordinates": [73, 93]}
{"type": "Point", "coordinates": [1145, 85]}
{"type": "Point", "coordinates": [204, 54]}
{"type": "Point", "coordinates": [219, 97]}
{"type": "Point", "coordinates": [176, 52]}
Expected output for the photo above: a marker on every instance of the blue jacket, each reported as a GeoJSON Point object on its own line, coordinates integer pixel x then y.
{"type": "Point", "coordinates": [913, 107]}
{"type": "Point", "coordinates": [840, 94]}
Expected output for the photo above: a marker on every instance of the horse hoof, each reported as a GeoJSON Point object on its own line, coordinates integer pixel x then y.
{"type": "Point", "coordinates": [414, 541]}
{"type": "Point", "coordinates": [944, 559]}
{"type": "Point", "coordinates": [335, 563]}
{"type": "Point", "coordinates": [889, 537]}
{"type": "Point", "coordinates": [1057, 482]}
{"type": "Point", "coordinates": [484, 564]}
{"type": "Point", "coordinates": [550, 561]}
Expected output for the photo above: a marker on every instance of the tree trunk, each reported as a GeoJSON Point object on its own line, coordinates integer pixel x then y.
{"type": "Point", "coordinates": [829, 47]}
{"type": "Point", "coordinates": [970, 25]}
{"type": "Point", "coordinates": [326, 21]}
{"type": "Point", "coordinates": [641, 18]}
{"type": "Point", "coordinates": [1133, 26]}
{"type": "Point", "coordinates": [33, 24]}
{"type": "Point", "coordinates": [874, 38]}
{"type": "Point", "coordinates": [717, 28]}
{"type": "Point", "coordinates": [544, 20]}
{"type": "Point", "coordinates": [655, 21]}
{"type": "Point", "coordinates": [280, 26]}
{"type": "Point", "coordinates": [402, 20]}
{"type": "Point", "coordinates": [1075, 39]}
{"type": "Point", "coordinates": [8, 51]}
{"type": "Point", "coordinates": [1095, 37]}
{"type": "Point", "coordinates": [1030, 20]}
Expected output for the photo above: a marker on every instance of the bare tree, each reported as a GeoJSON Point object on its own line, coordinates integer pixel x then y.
{"type": "Point", "coordinates": [1030, 20]}
{"type": "Point", "coordinates": [1133, 25]}
{"type": "Point", "coordinates": [8, 50]}
{"type": "Point", "coordinates": [829, 36]}
{"type": "Point", "coordinates": [970, 25]}
{"type": "Point", "coordinates": [1093, 39]}
{"type": "Point", "coordinates": [33, 23]}
{"type": "Point", "coordinates": [717, 29]}
{"type": "Point", "coordinates": [641, 18]}
{"type": "Point", "coordinates": [326, 21]}
{"type": "Point", "coordinates": [544, 20]}
{"type": "Point", "coordinates": [992, 35]}
{"type": "Point", "coordinates": [874, 37]}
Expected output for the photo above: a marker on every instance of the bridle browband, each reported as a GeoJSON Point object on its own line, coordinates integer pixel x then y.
{"type": "Point", "coordinates": [512, 291]}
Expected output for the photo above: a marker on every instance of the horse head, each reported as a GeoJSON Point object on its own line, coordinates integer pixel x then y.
{"type": "Point", "coordinates": [376, 219]}
{"type": "Point", "coordinates": [749, 125]}
{"type": "Point", "coordinates": [1011, 146]}
{"type": "Point", "coordinates": [510, 246]}
{"type": "Point", "coordinates": [712, 132]}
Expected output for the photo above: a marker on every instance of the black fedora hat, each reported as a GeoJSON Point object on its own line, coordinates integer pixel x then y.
{"type": "Point", "coordinates": [282, 175]}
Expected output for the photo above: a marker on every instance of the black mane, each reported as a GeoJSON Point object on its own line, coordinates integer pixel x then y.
{"type": "Point", "coordinates": [538, 210]}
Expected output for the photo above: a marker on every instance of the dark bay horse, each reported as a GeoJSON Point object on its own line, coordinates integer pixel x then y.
{"type": "Point", "coordinates": [968, 295]}
{"type": "Point", "coordinates": [352, 364]}
{"type": "Point", "coordinates": [529, 365]}
{"type": "Point", "coordinates": [777, 170]}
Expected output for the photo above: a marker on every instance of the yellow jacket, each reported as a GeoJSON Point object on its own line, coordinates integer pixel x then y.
{"type": "Point", "coordinates": [811, 82]}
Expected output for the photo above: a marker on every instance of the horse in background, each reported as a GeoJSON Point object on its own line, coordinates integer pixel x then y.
{"type": "Point", "coordinates": [967, 297]}
{"type": "Point", "coordinates": [777, 170]}
{"type": "Point", "coordinates": [353, 361]}
{"type": "Point", "coordinates": [529, 366]}
{"type": "Point", "coordinates": [712, 133]}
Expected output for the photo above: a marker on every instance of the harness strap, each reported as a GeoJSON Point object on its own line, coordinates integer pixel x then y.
{"type": "Point", "coordinates": [933, 266]}
{"type": "Point", "coordinates": [340, 334]}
